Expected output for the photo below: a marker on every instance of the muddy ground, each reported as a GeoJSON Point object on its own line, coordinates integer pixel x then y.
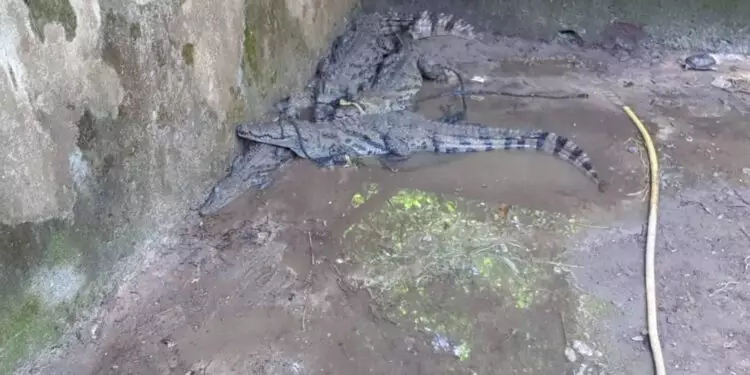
{"type": "Point", "coordinates": [494, 263]}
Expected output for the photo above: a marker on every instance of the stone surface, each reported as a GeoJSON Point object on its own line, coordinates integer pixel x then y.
{"type": "Point", "coordinates": [116, 117]}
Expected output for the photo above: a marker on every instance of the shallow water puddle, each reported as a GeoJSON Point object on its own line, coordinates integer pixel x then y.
{"type": "Point", "coordinates": [480, 281]}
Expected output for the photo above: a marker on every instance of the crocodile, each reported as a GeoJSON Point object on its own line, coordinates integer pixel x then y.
{"type": "Point", "coordinates": [394, 136]}
{"type": "Point", "coordinates": [372, 44]}
{"type": "Point", "coordinates": [396, 89]}
{"type": "Point", "coordinates": [252, 169]}
{"type": "Point", "coordinates": [397, 84]}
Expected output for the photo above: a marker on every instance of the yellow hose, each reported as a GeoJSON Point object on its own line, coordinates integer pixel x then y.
{"type": "Point", "coordinates": [651, 311]}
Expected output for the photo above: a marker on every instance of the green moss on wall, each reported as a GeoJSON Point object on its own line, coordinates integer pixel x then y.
{"type": "Point", "coordinates": [251, 51]}
{"type": "Point", "coordinates": [237, 109]}
{"type": "Point", "coordinates": [188, 53]}
{"type": "Point", "coordinates": [42, 12]}
{"type": "Point", "coordinates": [26, 246]}
{"type": "Point", "coordinates": [61, 250]}
{"type": "Point", "coordinates": [272, 37]}
{"type": "Point", "coordinates": [135, 31]}
{"type": "Point", "coordinates": [24, 326]}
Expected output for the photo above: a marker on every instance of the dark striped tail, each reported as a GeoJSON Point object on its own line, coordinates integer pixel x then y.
{"type": "Point", "coordinates": [512, 139]}
{"type": "Point", "coordinates": [425, 25]}
{"type": "Point", "coordinates": [395, 23]}
{"type": "Point", "coordinates": [565, 149]}
{"type": "Point", "coordinates": [429, 25]}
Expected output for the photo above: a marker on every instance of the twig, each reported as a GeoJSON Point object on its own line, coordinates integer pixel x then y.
{"type": "Point", "coordinates": [312, 254]}
{"type": "Point", "coordinates": [562, 327]}
{"type": "Point", "coordinates": [539, 95]}
{"type": "Point", "coordinates": [576, 95]}
{"type": "Point", "coordinates": [740, 197]}
{"type": "Point", "coordinates": [702, 205]}
{"type": "Point", "coordinates": [304, 312]}
{"type": "Point", "coordinates": [723, 287]}
{"type": "Point", "coordinates": [744, 231]}
{"type": "Point", "coordinates": [640, 193]}
{"type": "Point", "coordinates": [547, 262]}
{"type": "Point", "coordinates": [308, 280]}
{"type": "Point", "coordinates": [643, 193]}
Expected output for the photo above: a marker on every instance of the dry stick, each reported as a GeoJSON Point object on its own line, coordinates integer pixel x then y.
{"type": "Point", "coordinates": [308, 279]}
{"type": "Point", "coordinates": [651, 312]}
{"type": "Point", "coordinates": [540, 95]}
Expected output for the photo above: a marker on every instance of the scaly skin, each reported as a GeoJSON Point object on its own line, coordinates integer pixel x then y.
{"type": "Point", "coordinates": [250, 170]}
{"type": "Point", "coordinates": [370, 55]}
{"type": "Point", "coordinates": [366, 52]}
{"type": "Point", "coordinates": [399, 134]}
{"type": "Point", "coordinates": [253, 168]}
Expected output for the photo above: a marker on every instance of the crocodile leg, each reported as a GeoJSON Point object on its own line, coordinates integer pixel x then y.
{"type": "Point", "coordinates": [399, 153]}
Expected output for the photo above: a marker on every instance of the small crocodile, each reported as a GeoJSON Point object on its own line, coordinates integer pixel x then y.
{"type": "Point", "coordinates": [372, 43]}
{"type": "Point", "coordinates": [395, 136]}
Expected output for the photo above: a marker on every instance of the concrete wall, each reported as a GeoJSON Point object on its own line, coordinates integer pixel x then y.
{"type": "Point", "coordinates": [115, 118]}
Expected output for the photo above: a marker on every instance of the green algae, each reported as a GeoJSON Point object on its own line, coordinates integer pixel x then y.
{"type": "Point", "coordinates": [424, 257]}
{"type": "Point", "coordinates": [62, 249]}
{"type": "Point", "coordinates": [25, 325]}
{"type": "Point", "coordinates": [359, 199]}
{"type": "Point", "coordinates": [42, 12]}
{"type": "Point", "coordinates": [188, 53]}
{"type": "Point", "coordinates": [268, 27]}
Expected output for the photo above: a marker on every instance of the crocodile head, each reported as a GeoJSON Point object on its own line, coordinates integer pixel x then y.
{"type": "Point", "coordinates": [279, 133]}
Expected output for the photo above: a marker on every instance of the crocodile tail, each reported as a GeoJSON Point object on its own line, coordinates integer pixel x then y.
{"type": "Point", "coordinates": [425, 25]}
{"type": "Point", "coordinates": [429, 24]}
{"type": "Point", "coordinates": [566, 149]}
{"type": "Point", "coordinates": [490, 139]}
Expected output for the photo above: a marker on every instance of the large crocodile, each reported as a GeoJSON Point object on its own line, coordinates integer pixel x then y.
{"type": "Point", "coordinates": [397, 83]}
{"type": "Point", "coordinates": [366, 56]}
{"type": "Point", "coordinates": [395, 136]}
{"type": "Point", "coordinates": [254, 166]}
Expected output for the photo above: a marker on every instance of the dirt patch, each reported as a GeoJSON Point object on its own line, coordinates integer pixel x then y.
{"type": "Point", "coordinates": [507, 262]}
{"type": "Point", "coordinates": [703, 268]}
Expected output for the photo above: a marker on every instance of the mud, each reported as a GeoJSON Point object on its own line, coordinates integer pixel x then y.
{"type": "Point", "coordinates": [507, 262]}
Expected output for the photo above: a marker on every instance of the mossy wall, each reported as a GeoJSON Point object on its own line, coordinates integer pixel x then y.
{"type": "Point", "coordinates": [117, 117]}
